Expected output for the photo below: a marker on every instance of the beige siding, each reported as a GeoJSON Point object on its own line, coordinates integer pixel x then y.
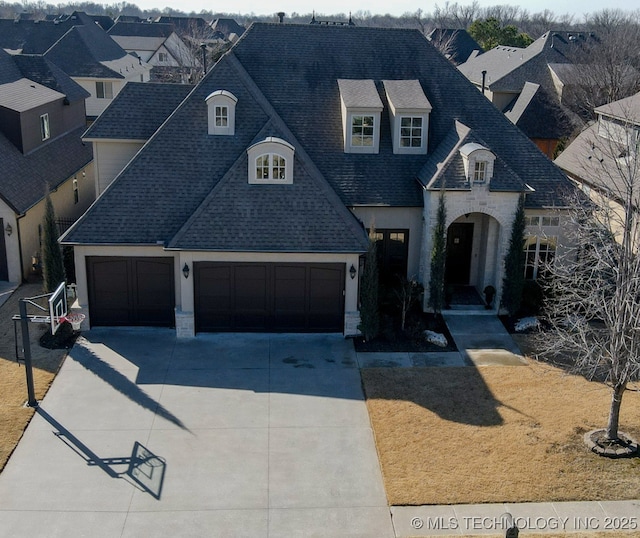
{"type": "Point", "coordinates": [110, 159]}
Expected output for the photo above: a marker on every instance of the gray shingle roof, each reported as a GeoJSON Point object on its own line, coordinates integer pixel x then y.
{"type": "Point", "coordinates": [285, 78]}
{"type": "Point", "coordinates": [137, 111]}
{"type": "Point", "coordinates": [538, 114]}
{"type": "Point", "coordinates": [456, 44]}
{"type": "Point", "coordinates": [141, 29]}
{"type": "Point", "coordinates": [44, 72]}
{"type": "Point", "coordinates": [26, 178]}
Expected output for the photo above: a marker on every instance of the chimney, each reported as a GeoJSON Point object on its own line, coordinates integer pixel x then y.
{"type": "Point", "coordinates": [281, 15]}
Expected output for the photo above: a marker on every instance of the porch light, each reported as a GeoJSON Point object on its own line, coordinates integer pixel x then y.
{"type": "Point", "coordinates": [185, 270]}
{"type": "Point", "coordinates": [8, 229]}
{"type": "Point", "coordinates": [352, 272]}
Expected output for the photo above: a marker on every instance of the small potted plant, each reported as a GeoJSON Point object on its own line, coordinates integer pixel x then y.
{"type": "Point", "coordinates": [489, 294]}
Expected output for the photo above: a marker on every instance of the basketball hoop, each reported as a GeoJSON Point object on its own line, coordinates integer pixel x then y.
{"type": "Point", "coordinates": [75, 320]}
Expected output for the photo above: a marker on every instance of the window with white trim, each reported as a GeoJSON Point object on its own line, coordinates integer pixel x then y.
{"type": "Point", "coordinates": [271, 166]}
{"type": "Point", "coordinates": [104, 90]}
{"type": "Point", "coordinates": [222, 116]}
{"type": "Point", "coordinates": [271, 161]}
{"type": "Point", "coordinates": [479, 172]}
{"type": "Point", "coordinates": [539, 253]}
{"type": "Point", "coordinates": [221, 113]}
{"type": "Point", "coordinates": [411, 132]}
{"type": "Point", "coordinates": [362, 131]}
{"type": "Point", "coordinates": [45, 132]}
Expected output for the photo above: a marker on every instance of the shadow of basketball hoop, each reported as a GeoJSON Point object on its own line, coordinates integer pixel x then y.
{"type": "Point", "coordinates": [144, 468]}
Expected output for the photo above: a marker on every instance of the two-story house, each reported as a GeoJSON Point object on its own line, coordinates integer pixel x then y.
{"type": "Point", "coordinates": [249, 206]}
{"type": "Point", "coordinates": [82, 49]}
{"type": "Point", "coordinates": [527, 84]}
{"type": "Point", "coordinates": [42, 117]}
{"type": "Point", "coordinates": [159, 46]}
{"type": "Point", "coordinates": [603, 158]}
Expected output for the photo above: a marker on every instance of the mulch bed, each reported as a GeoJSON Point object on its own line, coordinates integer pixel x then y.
{"type": "Point", "coordinates": [393, 339]}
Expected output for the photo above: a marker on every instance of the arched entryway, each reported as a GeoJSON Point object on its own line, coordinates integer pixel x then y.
{"type": "Point", "coordinates": [472, 263]}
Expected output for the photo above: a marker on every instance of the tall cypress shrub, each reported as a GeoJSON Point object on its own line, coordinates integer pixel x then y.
{"type": "Point", "coordinates": [52, 262]}
{"type": "Point", "coordinates": [513, 281]}
{"type": "Point", "coordinates": [438, 253]}
{"type": "Point", "coordinates": [369, 314]}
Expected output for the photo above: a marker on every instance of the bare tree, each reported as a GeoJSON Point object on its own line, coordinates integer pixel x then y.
{"type": "Point", "coordinates": [593, 289]}
{"type": "Point", "coordinates": [606, 64]}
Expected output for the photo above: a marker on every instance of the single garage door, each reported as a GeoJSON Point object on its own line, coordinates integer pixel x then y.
{"type": "Point", "coordinates": [131, 291]}
{"type": "Point", "coordinates": [269, 297]}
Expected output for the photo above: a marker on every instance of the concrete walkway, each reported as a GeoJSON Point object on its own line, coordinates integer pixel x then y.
{"type": "Point", "coordinates": [221, 435]}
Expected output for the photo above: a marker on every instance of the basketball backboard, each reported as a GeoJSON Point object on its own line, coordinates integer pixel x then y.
{"type": "Point", "coordinates": [58, 307]}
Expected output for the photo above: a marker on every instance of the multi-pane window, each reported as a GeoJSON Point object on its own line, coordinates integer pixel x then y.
{"type": "Point", "coordinates": [271, 166]}
{"type": "Point", "coordinates": [163, 57]}
{"type": "Point", "coordinates": [479, 172]}
{"type": "Point", "coordinates": [539, 252]}
{"type": "Point", "coordinates": [222, 116]}
{"type": "Point", "coordinates": [104, 90]}
{"type": "Point", "coordinates": [411, 132]}
{"type": "Point", "coordinates": [44, 127]}
{"type": "Point", "coordinates": [362, 131]}
{"type": "Point", "coordinates": [541, 221]}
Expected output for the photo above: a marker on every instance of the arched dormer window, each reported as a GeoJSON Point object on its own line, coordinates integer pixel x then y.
{"type": "Point", "coordinates": [271, 162]}
{"type": "Point", "coordinates": [478, 163]}
{"type": "Point", "coordinates": [221, 112]}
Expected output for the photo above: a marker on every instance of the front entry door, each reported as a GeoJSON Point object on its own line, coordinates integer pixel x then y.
{"type": "Point", "coordinates": [459, 243]}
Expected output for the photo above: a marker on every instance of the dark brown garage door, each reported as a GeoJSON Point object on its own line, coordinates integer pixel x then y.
{"type": "Point", "coordinates": [269, 297]}
{"type": "Point", "coordinates": [131, 291]}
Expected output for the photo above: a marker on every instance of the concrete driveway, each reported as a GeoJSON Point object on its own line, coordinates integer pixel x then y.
{"type": "Point", "coordinates": [222, 435]}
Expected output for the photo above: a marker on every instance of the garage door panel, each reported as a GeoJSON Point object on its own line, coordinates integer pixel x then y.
{"type": "Point", "coordinates": [273, 297]}
{"type": "Point", "coordinates": [131, 291]}
{"type": "Point", "coordinates": [213, 297]}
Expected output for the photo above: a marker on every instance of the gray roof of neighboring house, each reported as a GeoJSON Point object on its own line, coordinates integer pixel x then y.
{"type": "Point", "coordinates": [76, 44]}
{"type": "Point", "coordinates": [456, 44]}
{"type": "Point", "coordinates": [24, 94]}
{"type": "Point", "coordinates": [227, 27]}
{"type": "Point", "coordinates": [626, 110]}
{"type": "Point", "coordinates": [538, 114]}
{"type": "Point", "coordinates": [137, 111]}
{"type": "Point", "coordinates": [41, 70]}
{"type": "Point", "coordinates": [25, 179]}
{"type": "Point", "coordinates": [141, 29]}
{"type": "Point", "coordinates": [184, 185]}
{"type": "Point", "coordinates": [508, 68]}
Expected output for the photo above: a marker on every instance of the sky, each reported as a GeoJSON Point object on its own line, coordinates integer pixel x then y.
{"type": "Point", "coordinates": [393, 7]}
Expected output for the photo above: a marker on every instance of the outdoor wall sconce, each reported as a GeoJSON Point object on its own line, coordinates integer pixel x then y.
{"type": "Point", "coordinates": [352, 272]}
{"type": "Point", "coordinates": [185, 270]}
{"type": "Point", "coordinates": [8, 229]}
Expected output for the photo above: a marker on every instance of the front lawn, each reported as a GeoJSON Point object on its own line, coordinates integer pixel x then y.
{"type": "Point", "coordinates": [496, 434]}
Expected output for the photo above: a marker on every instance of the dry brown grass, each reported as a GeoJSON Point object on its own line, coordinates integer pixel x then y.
{"type": "Point", "coordinates": [495, 434]}
{"type": "Point", "coordinates": [14, 417]}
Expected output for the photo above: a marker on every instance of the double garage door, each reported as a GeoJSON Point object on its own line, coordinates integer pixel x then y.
{"type": "Point", "coordinates": [269, 297]}
{"type": "Point", "coordinates": [228, 296]}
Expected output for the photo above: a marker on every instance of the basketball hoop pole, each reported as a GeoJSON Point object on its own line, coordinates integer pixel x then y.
{"type": "Point", "coordinates": [26, 344]}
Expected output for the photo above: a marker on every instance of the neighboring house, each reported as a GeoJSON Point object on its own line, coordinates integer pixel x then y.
{"type": "Point", "coordinates": [159, 46]}
{"type": "Point", "coordinates": [248, 208]}
{"type": "Point", "coordinates": [456, 44]}
{"type": "Point", "coordinates": [83, 50]}
{"type": "Point", "coordinates": [133, 117]}
{"type": "Point", "coordinates": [524, 83]}
{"type": "Point", "coordinates": [602, 160]}
{"type": "Point", "coordinates": [42, 117]}
{"type": "Point", "coordinates": [229, 29]}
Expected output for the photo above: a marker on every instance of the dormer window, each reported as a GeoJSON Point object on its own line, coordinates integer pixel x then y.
{"type": "Point", "coordinates": [361, 107]}
{"type": "Point", "coordinates": [409, 111]}
{"type": "Point", "coordinates": [478, 163]}
{"type": "Point", "coordinates": [221, 111]}
{"type": "Point", "coordinates": [271, 162]}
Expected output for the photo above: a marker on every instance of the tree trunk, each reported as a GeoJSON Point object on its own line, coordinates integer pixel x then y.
{"type": "Point", "coordinates": [614, 411]}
